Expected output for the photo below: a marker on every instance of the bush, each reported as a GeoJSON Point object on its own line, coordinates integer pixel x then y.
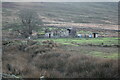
{"type": "Point", "coordinates": [40, 60]}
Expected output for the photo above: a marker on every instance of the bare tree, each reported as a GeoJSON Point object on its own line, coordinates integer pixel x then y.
{"type": "Point", "coordinates": [30, 21]}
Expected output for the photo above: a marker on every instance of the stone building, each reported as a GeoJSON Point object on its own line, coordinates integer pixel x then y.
{"type": "Point", "coordinates": [95, 35]}
{"type": "Point", "coordinates": [56, 33]}
{"type": "Point", "coordinates": [72, 32]}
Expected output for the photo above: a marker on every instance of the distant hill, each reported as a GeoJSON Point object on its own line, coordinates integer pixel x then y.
{"type": "Point", "coordinates": [57, 13]}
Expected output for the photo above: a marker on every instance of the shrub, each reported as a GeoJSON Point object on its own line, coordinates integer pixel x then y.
{"type": "Point", "coordinates": [38, 60]}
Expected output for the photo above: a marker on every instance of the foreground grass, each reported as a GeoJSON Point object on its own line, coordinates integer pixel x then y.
{"type": "Point", "coordinates": [104, 55]}
{"type": "Point", "coordinates": [52, 61]}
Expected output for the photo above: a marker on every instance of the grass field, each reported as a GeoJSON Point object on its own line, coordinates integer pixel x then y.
{"type": "Point", "coordinates": [84, 46]}
{"type": "Point", "coordinates": [83, 41]}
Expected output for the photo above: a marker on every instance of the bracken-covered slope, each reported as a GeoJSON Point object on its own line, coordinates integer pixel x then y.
{"type": "Point", "coordinates": [92, 14]}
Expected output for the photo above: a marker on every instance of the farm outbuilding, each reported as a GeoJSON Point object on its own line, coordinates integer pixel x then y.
{"type": "Point", "coordinates": [56, 33]}
{"type": "Point", "coordinates": [72, 32]}
{"type": "Point", "coordinates": [95, 35]}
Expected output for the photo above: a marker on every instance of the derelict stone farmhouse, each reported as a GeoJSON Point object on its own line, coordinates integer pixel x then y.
{"type": "Point", "coordinates": [69, 32]}
{"type": "Point", "coordinates": [60, 33]}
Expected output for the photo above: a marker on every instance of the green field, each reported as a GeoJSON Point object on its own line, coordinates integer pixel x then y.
{"type": "Point", "coordinates": [84, 41]}
{"type": "Point", "coordinates": [83, 46]}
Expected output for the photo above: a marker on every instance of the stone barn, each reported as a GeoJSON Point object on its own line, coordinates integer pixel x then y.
{"type": "Point", "coordinates": [95, 35]}
{"type": "Point", "coordinates": [72, 32]}
{"type": "Point", "coordinates": [56, 33]}
{"type": "Point", "coordinates": [64, 33]}
{"type": "Point", "coordinates": [48, 33]}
